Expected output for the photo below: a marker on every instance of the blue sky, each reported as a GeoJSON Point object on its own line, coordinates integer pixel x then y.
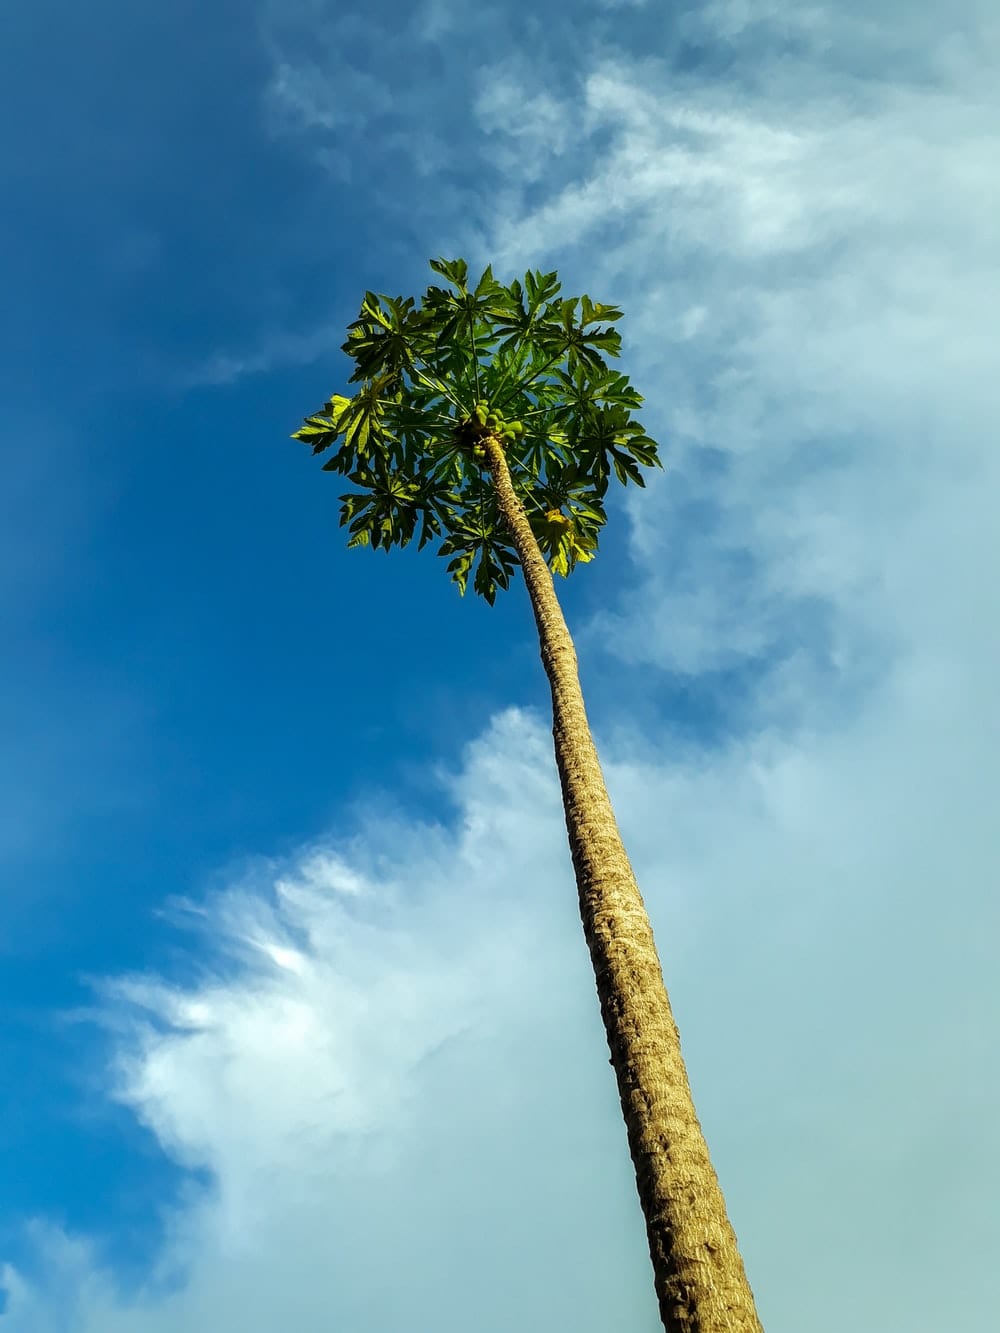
{"type": "Point", "coordinates": [297, 1018]}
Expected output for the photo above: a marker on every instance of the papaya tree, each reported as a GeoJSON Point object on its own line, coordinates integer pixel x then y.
{"type": "Point", "coordinates": [488, 416]}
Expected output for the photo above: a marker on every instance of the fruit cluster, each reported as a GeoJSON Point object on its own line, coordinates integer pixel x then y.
{"type": "Point", "coordinates": [483, 421]}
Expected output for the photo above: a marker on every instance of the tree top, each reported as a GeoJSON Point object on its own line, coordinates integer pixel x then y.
{"type": "Point", "coordinates": [515, 361]}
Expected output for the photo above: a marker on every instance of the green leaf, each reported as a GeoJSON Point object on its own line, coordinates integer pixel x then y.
{"type": "Point", "coordinates": [487, 284]}
{"type": "Point", "coordinates": [459, 569]}
{"type": "Point", "coordinates": [339, 463]}
{"type": "Point", "coordinates": [455, 270]}
{"type": "Point", "coordinates": [592, 311]}
{"type": "Point", "coordinates": [626, 469]}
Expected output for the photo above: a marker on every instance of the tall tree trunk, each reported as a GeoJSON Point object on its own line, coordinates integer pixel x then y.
{"type": "Point", "coordinates": [700, 1280]}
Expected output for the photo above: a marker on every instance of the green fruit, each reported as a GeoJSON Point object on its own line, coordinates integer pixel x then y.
{"type": "Point", "coordinates": [492, 420]}
{"type": "Point", "coordinates": [479, 412]}
{"type": "Point", "coordinates": [518, 428]}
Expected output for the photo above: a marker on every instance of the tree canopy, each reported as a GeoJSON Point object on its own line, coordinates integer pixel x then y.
{"type": "Point", "coordinates": [515, 361]}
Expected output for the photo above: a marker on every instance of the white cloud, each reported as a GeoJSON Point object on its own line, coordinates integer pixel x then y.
{"type": "Point", "coordinates": [385, 1106]}
{"type": "Point", "coordinates": [308, 95]}
{"type": "Point", "coordinates": [533, 125]}
{"type": "Point", "coordinates": [275, 349]}
{"type": "Point", "coordinates": [426, 1093]}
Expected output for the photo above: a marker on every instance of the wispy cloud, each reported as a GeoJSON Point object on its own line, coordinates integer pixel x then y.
{"type": "Point", "coordinates": [811, 319]}
{"type": "Point", "coordinates": [274, 351]}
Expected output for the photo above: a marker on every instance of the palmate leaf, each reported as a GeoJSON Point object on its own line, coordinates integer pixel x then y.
{"type": "Point", "coordinates": [495, 569]}
{"type": "Point", "coordinates": [409, 436]}
{"type": "Point", "coordinates": [565, 540]}
{"type": "Point", "coordinates": [321, 430]}
{"type": "Point", "coordinates": [593, 311]}
{"type": "Point", "coordinates": [455, 270]}
{"type": "Point", "coordinates": [495, 561]}
{"type": "Point", "coordinates": [460, 566]}
{"type": "Point", "coordinates": [541, 288]}
{"type": "Point", "coordinates": [571, 549]}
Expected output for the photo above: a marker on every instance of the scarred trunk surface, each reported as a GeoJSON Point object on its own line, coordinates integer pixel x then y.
{"type": "Point", "coordinates": [700, 1281]}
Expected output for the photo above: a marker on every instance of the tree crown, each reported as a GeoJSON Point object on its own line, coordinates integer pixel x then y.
{"type": "Point", "coordinates": [515, 362]}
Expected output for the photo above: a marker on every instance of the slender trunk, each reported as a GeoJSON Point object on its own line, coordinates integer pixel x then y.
{"type": "Point", "coordinates": [700, 1281]}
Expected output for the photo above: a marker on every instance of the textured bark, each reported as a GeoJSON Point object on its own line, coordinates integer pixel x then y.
{"type": "Point", "coordinates": [698, 1272]}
